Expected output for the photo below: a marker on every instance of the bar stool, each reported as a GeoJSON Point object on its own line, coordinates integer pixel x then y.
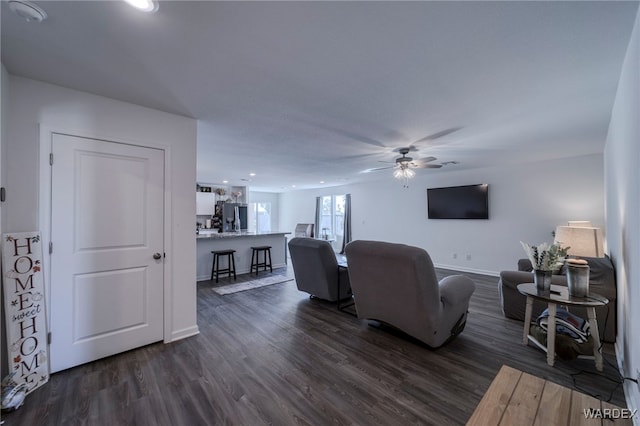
{"type": "Point", "coordinates": [255, 258]}
{"type": "Point", "coordinates": [231, 264]}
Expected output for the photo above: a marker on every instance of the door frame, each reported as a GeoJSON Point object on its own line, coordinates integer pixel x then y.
{"type": "Point", "coordinates": [44, 211]}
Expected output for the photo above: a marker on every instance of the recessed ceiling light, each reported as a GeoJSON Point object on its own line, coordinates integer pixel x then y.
{"type": "Point", "coordinates": [321, 181]}
{"type": "Point", "coordinates": [225, 181]}
{"type": "Point", "coordinates": [31, 12]}
{"type": "Point", "coordinates": [144, 5]}
{"type": "Point", "coordinates": [252, 174]}
{"type": "Point", "coordinates": [293, 186]}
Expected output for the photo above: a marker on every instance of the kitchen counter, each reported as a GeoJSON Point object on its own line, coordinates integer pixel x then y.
{"type": "Point", "coordinates": [214, 234]}
{"type": "Point", "coordinates": [209, 240]}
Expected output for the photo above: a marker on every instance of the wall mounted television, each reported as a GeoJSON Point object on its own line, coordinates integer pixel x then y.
{"type": "Point", "coordinates": [458, 202]}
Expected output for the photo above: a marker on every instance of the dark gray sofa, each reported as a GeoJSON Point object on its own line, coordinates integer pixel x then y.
{"type": "Point", "coordinates": [601, 281]}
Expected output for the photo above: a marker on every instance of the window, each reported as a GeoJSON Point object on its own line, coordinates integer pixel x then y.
{"type": "Point", "coordinates": [259, 217]}
{"type": "Point", "coordinates": [332, 218]}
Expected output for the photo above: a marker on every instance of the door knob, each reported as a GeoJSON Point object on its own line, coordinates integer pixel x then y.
{"type": "Point", "coordinates": [157, 256]}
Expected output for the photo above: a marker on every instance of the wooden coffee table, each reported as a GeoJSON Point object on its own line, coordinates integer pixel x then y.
{"type": "Point", "coordinates": [518, 398]}
{"type": "Point", "coordinates": [559, 295]}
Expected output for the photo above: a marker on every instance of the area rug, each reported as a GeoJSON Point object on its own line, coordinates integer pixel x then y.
{"type": "Point", "coordinates": [249, 285]}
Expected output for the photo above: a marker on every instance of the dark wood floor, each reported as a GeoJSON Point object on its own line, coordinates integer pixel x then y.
{"type": "Point", "coordinates": [273, 356]}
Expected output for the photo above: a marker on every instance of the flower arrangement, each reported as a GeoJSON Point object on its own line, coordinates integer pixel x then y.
{"type": "Point", "coordinates": [236, 195]}
{"type": "Point", "coordinates": [545, 257]}
{"type": "Point", "coordinates": [220, 191]}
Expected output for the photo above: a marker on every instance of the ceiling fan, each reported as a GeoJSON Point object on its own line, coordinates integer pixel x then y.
{"type": "Point", "coordinates": [403, 166]}
{"type": "Point", "coordinates": [407, 162]}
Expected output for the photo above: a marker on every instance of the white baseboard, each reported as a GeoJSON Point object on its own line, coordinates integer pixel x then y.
{"type": "Point", "coordinates": [631, 394]}
{"type": "Point", "coordinates": [184, 333]}
{"type": "Point", "coordinates": [238, 272]}
{"type": "Point", "coordinates": [465, 269]}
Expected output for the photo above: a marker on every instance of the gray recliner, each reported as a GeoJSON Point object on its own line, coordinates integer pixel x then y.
{"type": "Point", "coordinates": [396, 284]}
{"type": "Point", "coordinates": [315, 267]}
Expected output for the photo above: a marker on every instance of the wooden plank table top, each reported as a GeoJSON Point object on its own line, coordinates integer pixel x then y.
{"type": "Point", "coordinates": [518, 398]}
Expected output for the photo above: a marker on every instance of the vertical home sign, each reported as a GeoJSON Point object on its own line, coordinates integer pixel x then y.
{"type": "Point", "coordinates": [25, 316]}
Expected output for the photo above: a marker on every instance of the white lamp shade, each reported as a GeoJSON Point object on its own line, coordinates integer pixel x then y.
{"type": "Point", "coordinates": [581, 223]}
{"type": "Point", "coordinates": [583, 241]}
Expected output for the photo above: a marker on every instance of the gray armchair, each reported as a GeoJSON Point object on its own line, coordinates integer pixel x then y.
{"type": "Point", "coordinates": [315, 267]}
{"type": "Point", "coordinates": [397, 285]}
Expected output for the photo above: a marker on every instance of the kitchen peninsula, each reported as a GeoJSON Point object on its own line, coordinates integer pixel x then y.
{"type": "Point", "coordinates": [241, 242]}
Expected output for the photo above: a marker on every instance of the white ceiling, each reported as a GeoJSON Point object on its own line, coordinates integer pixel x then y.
{"type": "Point", "coordinates": [303, 92]}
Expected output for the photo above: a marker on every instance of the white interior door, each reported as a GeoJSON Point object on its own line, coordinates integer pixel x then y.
{"type": "Point", "coordinates": [107, 238]}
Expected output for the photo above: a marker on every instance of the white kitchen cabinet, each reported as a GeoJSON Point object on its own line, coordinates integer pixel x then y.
{"type": "Point", "coordinates": [205, 202]}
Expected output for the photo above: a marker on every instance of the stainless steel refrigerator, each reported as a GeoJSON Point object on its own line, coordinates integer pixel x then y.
{"type": "Point", "coordinates": [230, 216]}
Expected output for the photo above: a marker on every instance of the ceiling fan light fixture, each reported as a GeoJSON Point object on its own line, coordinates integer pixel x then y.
{"type": "Point", "coordinates": [144, 5]}
{"type": "Point", "coordinates": [27, 10]}
{"type": "Point", "coordinates": [404, 173]}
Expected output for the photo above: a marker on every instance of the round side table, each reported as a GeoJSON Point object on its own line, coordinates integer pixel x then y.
{"type": "Point", "coordinates": [559, 295]}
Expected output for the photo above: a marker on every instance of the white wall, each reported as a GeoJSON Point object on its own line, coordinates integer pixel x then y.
{"type": "Point", "coordinates": [4, 93]}
{"type": "Point", "coordinates": [526, 202]}
{"type": "Point", "coordinates": [34, 105]}
{"type": "Point", "coordinates": [622, 156]}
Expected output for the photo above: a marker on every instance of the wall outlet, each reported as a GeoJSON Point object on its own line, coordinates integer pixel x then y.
{"type": "Point", "coordinates": [454, 255]}
{"type": "Point", "coordinates": [468, 257]}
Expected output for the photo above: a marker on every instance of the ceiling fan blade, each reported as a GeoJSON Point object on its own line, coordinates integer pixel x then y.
{"type": "Point", "coordinates": [439, 134]}
{"type": "Point", "coordinates": [428, 166]}
{"type": "Point", "coordinates": [356, 136]}
{"type": "Point", "coordinates": [425, 159]}
{"type": "Point", "coordinates": [376, 169]}
{"type": "Point", "coordinates": [346, 133]}
{"type": "Point", "coordinates": [351, 157]}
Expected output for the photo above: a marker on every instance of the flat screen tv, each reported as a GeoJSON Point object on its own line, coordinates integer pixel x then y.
{"type": "Point", "coordinates": [459, 202]}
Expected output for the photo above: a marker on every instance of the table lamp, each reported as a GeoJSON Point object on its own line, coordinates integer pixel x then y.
{"type": "Point", "coordinates": [582, 241]}
{"type": "Point", "coordinates": [580, 223]}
